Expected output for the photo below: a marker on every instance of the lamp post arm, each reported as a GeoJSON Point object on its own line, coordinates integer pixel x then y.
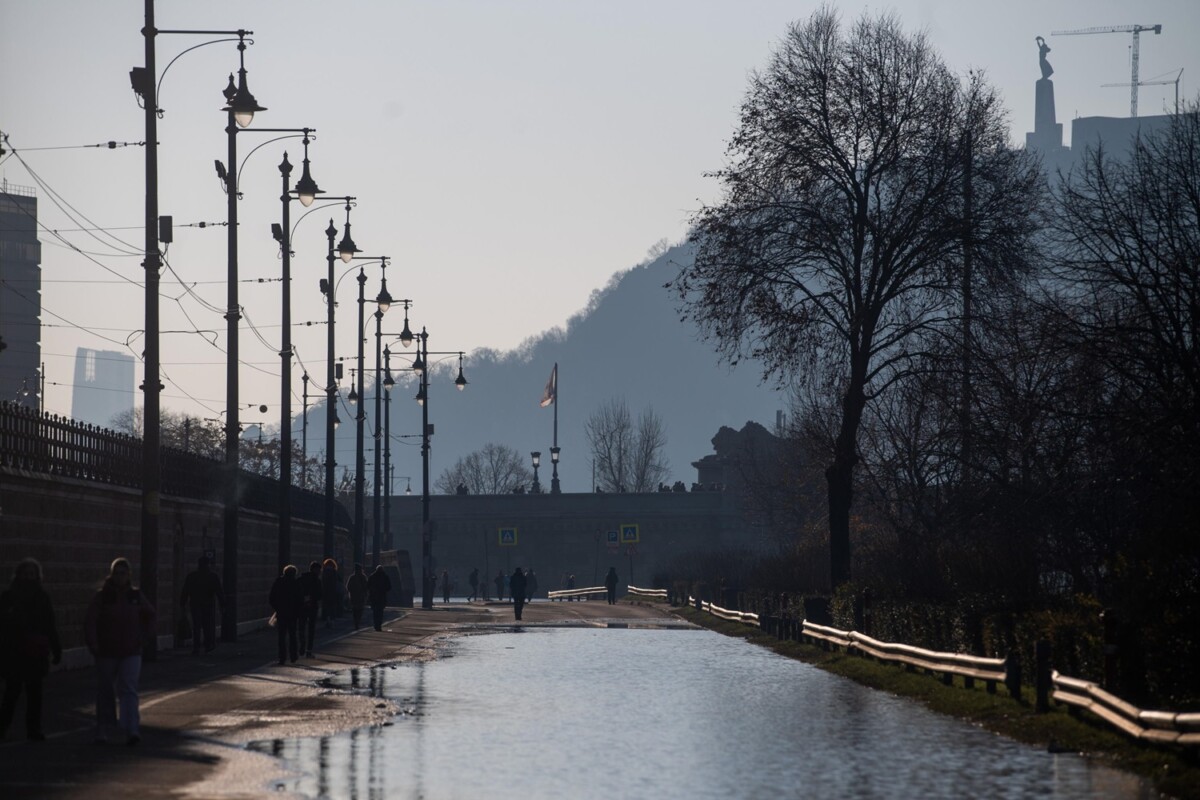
{"type": "Point", "coordinates": [294, 133]}
{"type": "Point", "coordinates": [340, 201]}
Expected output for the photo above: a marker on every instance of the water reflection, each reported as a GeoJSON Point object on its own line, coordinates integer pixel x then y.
{"type": "Point", "coordinates": [628, 713]}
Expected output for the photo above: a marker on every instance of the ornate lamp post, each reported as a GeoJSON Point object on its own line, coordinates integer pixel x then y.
{"type": "Point", "coordinates": [536, 455]}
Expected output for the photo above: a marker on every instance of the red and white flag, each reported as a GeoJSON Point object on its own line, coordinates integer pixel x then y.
{"type": "Point", "coordinates": [550, 393]}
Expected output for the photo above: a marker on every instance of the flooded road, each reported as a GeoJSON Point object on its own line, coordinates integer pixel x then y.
{"type": "Point", "coordinates": [596, 712]}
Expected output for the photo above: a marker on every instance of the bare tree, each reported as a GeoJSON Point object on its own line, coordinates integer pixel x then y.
{"type": "Point", "coordinates": [626, 458]}
{"type": "Point", "coordinates": [495, 469]}
{"type": "Point", "coordinates": [836, 245]}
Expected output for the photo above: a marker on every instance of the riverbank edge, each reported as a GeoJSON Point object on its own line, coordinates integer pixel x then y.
{"type": "Point", "coordinates": [1174, 772]}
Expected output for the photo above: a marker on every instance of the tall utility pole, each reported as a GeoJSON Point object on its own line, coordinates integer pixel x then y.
{"type": "Point", "coordinates": [1136, 30]}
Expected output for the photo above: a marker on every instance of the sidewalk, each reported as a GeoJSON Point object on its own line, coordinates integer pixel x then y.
{"type": "Point", "coordinates": [196, 710]}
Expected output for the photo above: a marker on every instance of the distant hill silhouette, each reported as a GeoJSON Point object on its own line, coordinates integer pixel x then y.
{"type": "Point", "coordinates": [628, 342]}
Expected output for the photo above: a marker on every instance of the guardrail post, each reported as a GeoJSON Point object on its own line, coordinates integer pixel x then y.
{"type": "Point", "coordinates": [1012, 676]}
{"type": "Point", "coordinates": [1043, 676]}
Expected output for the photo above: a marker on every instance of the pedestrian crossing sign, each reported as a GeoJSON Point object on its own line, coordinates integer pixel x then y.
{"type": "Point", "coordinates": [629, 534]}
{"type": "Point", "coordinates": [508, 537]}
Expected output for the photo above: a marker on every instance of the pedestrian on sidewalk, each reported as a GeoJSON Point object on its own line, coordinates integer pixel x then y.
{"type": "Point", "coordinates": [287, 601]}
{"type": "Point", "coordinates": [119, 621]}
{"type": "Point", "coordinates": [571, 585]}
{"type": "Point", "coordinates": [530, 585]}
{"type": "Point", "coordinates": [610, 584]}
{"type": "Point", "coordinates": [331, 591]}
{"type": "Point", "coordinates": [202, 593]}
{"type": "Point", "coordinates": [28, 642]}
{"type": "Point", "coordinates": [473, 580]}
{"type": "Point", "coordinates": [445, 586]}
{"type": "Point", "coordinates": [516, 586]}
{"type": "Point", "coordinates": [356, 588]}
{"type": "Point", "coordinates": [499, 581]}
{"type": "Point", "coordinates": [378, 586]}
{"type": "Point", "coordinates": [310, 595]}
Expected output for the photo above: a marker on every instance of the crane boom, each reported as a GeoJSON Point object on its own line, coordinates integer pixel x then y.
{"type": "Point", "coordinates": [1136, 30]}
{"type": "Point", "coordinates": [1163, 82]}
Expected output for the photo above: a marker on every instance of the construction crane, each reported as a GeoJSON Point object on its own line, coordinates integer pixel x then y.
{"type": "Point", "coordinates": [1174, 80]}
{"type": "Point", "coordinates": [1136, 30]}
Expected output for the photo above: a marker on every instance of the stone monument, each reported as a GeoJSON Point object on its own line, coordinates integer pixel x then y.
{"type": "Point", "coordinates": [1047, 136]}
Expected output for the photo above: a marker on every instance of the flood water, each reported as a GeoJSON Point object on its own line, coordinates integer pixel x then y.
{"type": "Point", "coordinates": [623, 713]}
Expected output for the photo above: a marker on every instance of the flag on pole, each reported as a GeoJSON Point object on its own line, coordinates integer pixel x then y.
{"type": "Point", "coordinates": [550, 393]}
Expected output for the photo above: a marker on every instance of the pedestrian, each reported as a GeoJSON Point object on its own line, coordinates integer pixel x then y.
{"type": "Point", "coordinates": [202, 593]}
{"type": "Point", "coordinates": [28, 643]}
{"type": "Point", "coordinates": [287, 601]}
{"type": "Point", "coordinates": [530, 586]}
{"type": "Point", "coordinates": [378, 586]}
{"type": "Point", "coordinates": [445, 586]}
{"type": "Point", "coordinates": [571, 585]}
{"type": "Point", "coordinates": [356, 588]}
{"type": "Point", "coordinates": [473, 581]}
{"type": "Point", "coordinates": [610, 583]}
{"type": "Point", "coordinates": [331, 590]}
{"type": "Point", "coordinates": [310, 595]}
{"type": "Point", "coordinates": [516, 585]}
{"type": "Point", "coordinates": [499, 581]}
{"type": "Point", "coordinates": [119, 621]}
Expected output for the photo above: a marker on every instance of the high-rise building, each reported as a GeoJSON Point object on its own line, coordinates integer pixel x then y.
{"type": "Point", "coordinates": [20, 296]}
{"type": "Point", "coordinates": [103, 386]}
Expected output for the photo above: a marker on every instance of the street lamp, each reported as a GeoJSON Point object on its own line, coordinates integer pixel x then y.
{"type": "Point", "coordinates": [358, 397]}
{"type": "Point", "coordinates": [421, 365]}
{"type": "Point", "coordinates": [537, 460]}
{"type": "Point", "coordinates": [240, 108]}
{"type": "Point", "coordinates": [144, 81]}
{"type": "Point", "coordinates": [345, 250]}
{"type": "Point", "coordinates": [554, 487]}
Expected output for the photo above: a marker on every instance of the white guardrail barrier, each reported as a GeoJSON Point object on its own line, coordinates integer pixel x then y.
{"type": "Point", "coordinates": [1161, 727]}
{"type": "Point", "coordinates": [576, 594]}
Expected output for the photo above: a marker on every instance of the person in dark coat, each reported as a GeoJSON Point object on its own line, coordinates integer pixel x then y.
{"type": "Point", "coordinates": [310, 596]}
{"type": "Point", "coordinates": [119, 622]}
{"type": "Point", "coordinates": [473, 581]}
{"type": "Point", "coordinates": [287, 601]}
{"type": "Point", "coordinates": [356, 588]}
{"type": "Point", "coordinates": [499, 581]}
{"type": "Point", "coordinates": [610, 583]}
{"type": "Point", "coordinates": [530, 586]}
{"type": "Point", "coordinates": [516, 586]}
{"type": "Point", "coordinates": [202, 593]}
{"type": "Point", "coordinates": [331, 591]}
{"type": "Point", "coordinates": [28, 642]}
{"type": "Point", "coordinates": [378, 586]}
{"type": "Point", "coordinates": [570, 585]}
{"type": "Point", "coordinates": [445, 586]}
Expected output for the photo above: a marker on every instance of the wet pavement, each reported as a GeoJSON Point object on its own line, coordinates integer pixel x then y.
{"type": "Point", "coordinates": [198, 712]}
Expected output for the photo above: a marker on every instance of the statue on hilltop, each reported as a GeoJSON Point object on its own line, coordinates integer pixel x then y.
{"type": "Point", "coordinates": [1044, 48]}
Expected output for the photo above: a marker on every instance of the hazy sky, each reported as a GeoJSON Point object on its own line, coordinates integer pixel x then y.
{"type": "Point", "coordinates": [508, 156]}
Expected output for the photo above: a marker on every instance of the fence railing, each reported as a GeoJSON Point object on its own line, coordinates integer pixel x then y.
{"type": "Point", "coordinates": [1163, 727]}
{"type": "Point", "coordinates": [48, 444]}
{"type": "Point", "coordinates": [576, 594]}
{"type": "Point", "coordinates": [639, 592]}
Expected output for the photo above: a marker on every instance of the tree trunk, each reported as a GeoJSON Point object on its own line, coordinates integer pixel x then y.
{"type": "Point", "coordinates": [840, 477]}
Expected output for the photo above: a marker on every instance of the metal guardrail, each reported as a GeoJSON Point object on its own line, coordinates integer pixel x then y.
{"type": "Point", "coordinates": [571, 594]}
{"type": "Point", "coordinates": [639, 592]}
{"type": "Point", "coordinates": [1162, 727]}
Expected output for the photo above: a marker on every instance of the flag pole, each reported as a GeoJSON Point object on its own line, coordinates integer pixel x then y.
{"type": "Point", "coordinates": [554, 451]}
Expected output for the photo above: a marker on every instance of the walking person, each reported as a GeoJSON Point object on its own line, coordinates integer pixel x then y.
{"type": "Point", "coordinates": [571, 585]}
{"type": "Point", "coordinates": [473, 581]}
{"type": "Point", "coordinates": [445, 586]}
{"type": "Point", "coordinates": [287, 601]}
{"type": "Point", "coordinates": [516, 585]}
{"type": "Point", "coordinates": [610, 583]}
{"type": "Point", "coordinates": [499, 581]}
{"type": "Point", "coordinates": [356, 588]}
{"type": "Point", "coordinates": [331, 591]}
{"type": "Point", "coordinates": [28, 642]}
{"type": "Point", "coordinates": [310, 597]}
{"type": "Point", "coordinates": [119, 621]}
{"type": "Point", "coordinates": [202, 594]}
{"type": "Point", "coordinates": [530, 586]}
{"type": "Point", "coordinates": [378, 586]}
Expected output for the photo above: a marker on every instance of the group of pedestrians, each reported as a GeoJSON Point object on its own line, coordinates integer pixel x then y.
{"type": "Point", "coordinates": [299, 600]}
